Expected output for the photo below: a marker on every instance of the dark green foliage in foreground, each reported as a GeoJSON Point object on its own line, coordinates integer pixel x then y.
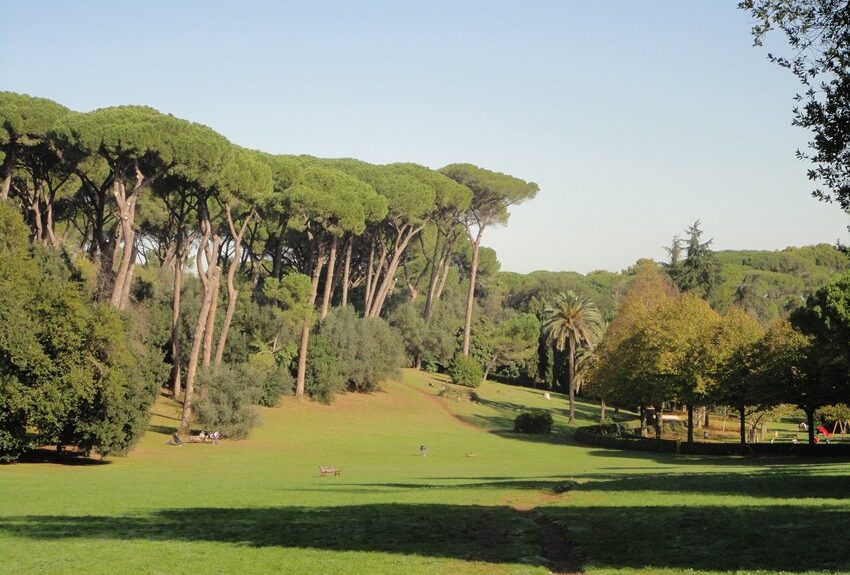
{"type": "Point", "coordinates": [227, 399]}
{"type": "Point", "coordinates": [72, 373]}
{"type": "Point", "coordinates": [465, 371]}
{"type": "Point", "coordinates": [368, 350]}
{"type": "Point", "coordinates": [533, 422]}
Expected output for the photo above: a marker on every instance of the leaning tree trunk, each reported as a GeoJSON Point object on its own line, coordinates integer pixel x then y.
{"type": "Point", "coordinates": [7, 177]}
{"type": "Point", "coordinates": [232, 292]}
{"type": "Point", "coordinates": [470, 300]}
{"type": "Point", "coordinates": [197, 339]}
{"type": "Point", "coordinates": [210, 327]}
{"type": "Point", "coordinates": [329, 274]}
{"type": "Point", "coordinates": [125, 295]}
{"type": "Point", "coordinates": [175, 318]}
{"type": "Point", "coordinates": [301, 376]}
{"type": "Point", "coordinates": [126, 216]}
{"type": "Point", "coordinates": [346, 271]}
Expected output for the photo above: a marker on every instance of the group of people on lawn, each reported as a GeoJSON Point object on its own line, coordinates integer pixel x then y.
{"type": "Point", "coordinates": [202, 437]}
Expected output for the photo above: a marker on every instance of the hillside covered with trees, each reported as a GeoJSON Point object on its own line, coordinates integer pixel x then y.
{"type": "Point", "coordinates": [165, 256]}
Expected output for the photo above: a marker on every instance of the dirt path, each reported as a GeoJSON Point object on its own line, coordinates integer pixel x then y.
{"type": "Point", "coordinates": [561, 555]}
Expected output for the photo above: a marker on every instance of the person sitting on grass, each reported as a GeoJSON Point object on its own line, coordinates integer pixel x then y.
{"type": "Point", "coordinates": [175, 439]}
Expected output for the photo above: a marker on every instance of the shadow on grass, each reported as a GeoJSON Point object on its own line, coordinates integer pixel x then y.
{"type": "Point", "coordinates": [788, 483]}
{"type": "Point", "coordinates": [727, 539]}
{"type": "Point", "coordinates": [45, 455]}
{"type": "Point", "coordinates": [492, 534]}
{"type": "Point", "coordinates": [782, 484]}
{"type": "Point", "coordinates": [162, 429]}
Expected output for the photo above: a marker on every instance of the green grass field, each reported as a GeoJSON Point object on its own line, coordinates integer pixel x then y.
{"type": "Point", "coordinates": [484, 500]}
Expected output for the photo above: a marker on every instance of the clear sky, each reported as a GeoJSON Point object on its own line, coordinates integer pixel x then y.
{"type": "Point", "coordinates": [635, 118]}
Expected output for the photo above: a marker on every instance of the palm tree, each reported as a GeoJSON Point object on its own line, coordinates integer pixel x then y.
{"type": "Point", "coordinates": [570, 322]}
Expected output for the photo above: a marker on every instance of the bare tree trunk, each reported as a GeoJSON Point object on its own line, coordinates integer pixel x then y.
{"type": "Point", "coordinates": [346, 271]}
{"type": "Point", "coordinates": [690, 423]}
{"type": "Point", "coordinates": [210, 327]}
{"type": "Point", "coordinates": [200, 327]}
{"type": "Point", "coordinates": [742, 414]}
{"type": "Point", "coordinates": [659, 421]}
{"type": "Point", "coordinates": [305, 329]}
{"type": "Point", "coordinates": [125, 291]}
{"type": "Point", "coordinates": [706, 421]}
{"type": "Point", "coordinates": [51, 227]}
{"type": "Point", "coordinates": [7, 177]}
{"type": "Point", "coordinates": [370, 279]}
{"type": "Point", "coordinates": [642, 421]}
{"type": "Point", "coordinates": [329, 274]}
{"type": "Point", "coordinates": [232, 292]}
{"type": "Point", "coordinates": [405, 234]}
{"type": "Point", "coordinates": [175, 317]}
{"type": "Point", "coordinates": [470, 300]}
{"type": "Point", "coordinates": [126, 215]}
{"type": "Point", "coordinates": [601, 411]}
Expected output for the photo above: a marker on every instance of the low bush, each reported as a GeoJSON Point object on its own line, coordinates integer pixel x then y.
{"type": "Point", "coordinates": [465, 371]}
{"type": "Point", "coordinates": [227, 398]}
{"type": "Point", "coordinates": [533, 422]}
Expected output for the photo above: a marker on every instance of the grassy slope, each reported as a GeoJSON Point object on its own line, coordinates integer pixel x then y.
{"type": "Point", "coordinates": [258, 506]}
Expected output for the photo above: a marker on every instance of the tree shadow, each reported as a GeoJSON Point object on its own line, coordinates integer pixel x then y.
{"type": "Point", "coordinates": [476, 533]}
{"type": "Point", "coordinates": [72, 458]}
{"type": "Point", "coordinates": [781, 484]}
{"type": "Point", "coordinates": [719, 538]}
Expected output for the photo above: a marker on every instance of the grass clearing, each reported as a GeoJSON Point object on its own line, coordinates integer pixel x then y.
{"type": "Point", "coordinates": [482, 501]}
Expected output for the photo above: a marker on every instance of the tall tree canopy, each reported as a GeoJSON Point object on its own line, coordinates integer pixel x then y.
{"type": "Point", "coordinates": [492, 194]}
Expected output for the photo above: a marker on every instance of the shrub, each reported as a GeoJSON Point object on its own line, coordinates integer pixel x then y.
{"type": "Point", "coordinates": [368, 350]}
{"type": "Point", "coordinates": [324, 377]}
{"type": "Point", "coordinates": [465, 371]}
{"type": "Point", "coordinates": [273, 380]}
{"type": "Point", "coordinates": [227, 399]}
{"type": "Point", "coordinates": [533, 422]}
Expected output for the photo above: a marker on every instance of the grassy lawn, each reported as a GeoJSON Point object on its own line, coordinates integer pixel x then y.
{"type": "Point", "coordinates": [484, 500]}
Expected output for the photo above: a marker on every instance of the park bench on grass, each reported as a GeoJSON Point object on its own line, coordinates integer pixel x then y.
{"type": "Point", "coordinates": [329, 470]}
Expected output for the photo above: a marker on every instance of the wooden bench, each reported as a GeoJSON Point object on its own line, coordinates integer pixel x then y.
{"type": "Point", "coordinates": [329, 470]}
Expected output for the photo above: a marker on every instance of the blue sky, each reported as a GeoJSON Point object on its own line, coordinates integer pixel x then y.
{"type": "Point", "coordinates": [636, 118]}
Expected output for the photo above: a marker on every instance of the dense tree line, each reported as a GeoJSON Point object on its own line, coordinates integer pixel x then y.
{"type": "Point", "coordinates": [671, 348]}
{"type": "Point", "coordinates": [240, 256]}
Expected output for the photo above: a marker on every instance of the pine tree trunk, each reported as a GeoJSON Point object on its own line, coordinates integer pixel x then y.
{"type": "Point", "coordinates": [329, 274]}
{"type": "Point", "coordinates": [126, 216]}
{"type": "Point", "coordinates": [470, 298]}
{"type": "Point", "coordinates": [210, 327]}
{"type": "Point", "coordinates": [197, 340]}
{"type": "Point", "coordinates": [128, 282]}
{"type": "Point", "coordinates": [346, 271]}
{"type": "Point", "coordinates": [301, 376]}
{"type": "Point", "coordinates": [7, 177]}
{"type": "Point", "coordinates": [232, 292]}
{"type": "Point", "coordinates": [174, 377]}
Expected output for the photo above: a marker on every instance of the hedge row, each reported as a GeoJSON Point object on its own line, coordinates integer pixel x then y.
{"type": "Point", "coordinates": [618, 437]}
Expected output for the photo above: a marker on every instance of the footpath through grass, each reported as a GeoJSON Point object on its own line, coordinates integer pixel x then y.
{"type": "Point", "coordinates": [484, 500]}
